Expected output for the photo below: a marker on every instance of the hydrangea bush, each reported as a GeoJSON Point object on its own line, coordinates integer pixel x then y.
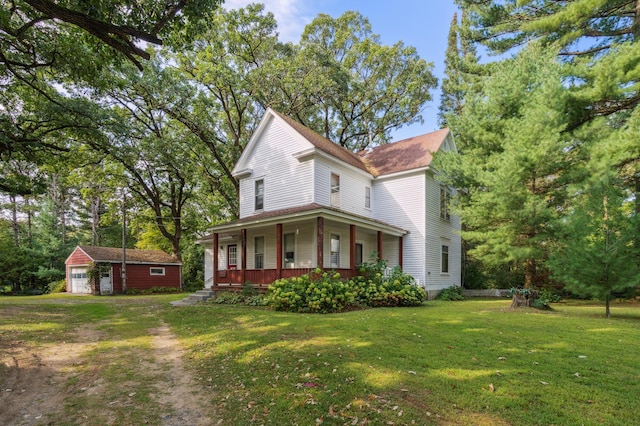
{"type": "Point", "coordinates": [325, 292]}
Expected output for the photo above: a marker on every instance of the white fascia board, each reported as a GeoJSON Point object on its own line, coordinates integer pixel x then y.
{"type": "Point", "coordinates": [241, 174]}
{"type": "Point", "coordinates": [404, 173]}
{"type": "Point", "coordinates": [248, 149]}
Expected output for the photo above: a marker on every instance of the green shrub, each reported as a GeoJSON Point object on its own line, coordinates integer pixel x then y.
{"type": "Point", "coordinates": [161, 290]}
{"type": "Point", "coordinates": [255, 300]}
{"type": "Point", "coordinates": [248, 289]}
{"type": "Point", "coordinates": [397, 289]}
{"type": "Point", "coordinates": [450, 293]}
{"type": "Point", "coordinates": [56, 286]}
{"type": "Point", "coordinates": [193, 285]}
{"type": "Point", "coordinates": [229, 298]}
{"type": "Point", "coordinates": [319, 291]}
{"type": "Point", "coordinates": [545, 297]}
{"type": "Point", "coordinates": [325, 292]}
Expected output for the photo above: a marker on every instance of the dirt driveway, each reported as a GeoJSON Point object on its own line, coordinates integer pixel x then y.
{"type": "Point", "coordinates": [66, 364]}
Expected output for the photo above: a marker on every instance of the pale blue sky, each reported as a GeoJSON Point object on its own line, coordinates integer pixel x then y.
{"type": "Point", "coordinates": [423, 24]}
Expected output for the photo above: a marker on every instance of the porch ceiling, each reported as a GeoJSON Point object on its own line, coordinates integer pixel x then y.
{"type": "Point", "coordinates": [306, 212]}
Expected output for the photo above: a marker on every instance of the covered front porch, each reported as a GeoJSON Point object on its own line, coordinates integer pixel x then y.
{"type": "Point", "coordinates": [259, 250]}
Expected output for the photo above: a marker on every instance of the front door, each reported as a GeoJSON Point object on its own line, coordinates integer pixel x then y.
{"type": "Point", "coordinates": [232, 256]}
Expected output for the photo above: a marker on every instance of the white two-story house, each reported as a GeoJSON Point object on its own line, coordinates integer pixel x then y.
{"type": "Point", "coordinates": [306, 202]}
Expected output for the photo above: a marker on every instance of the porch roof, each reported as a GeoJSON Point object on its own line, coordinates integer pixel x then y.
{"type": "Point", "coordinates": [308, 211]}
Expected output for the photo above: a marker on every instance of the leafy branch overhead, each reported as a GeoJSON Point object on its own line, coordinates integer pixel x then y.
{"type": "Point", "coordinates": [42, 33]}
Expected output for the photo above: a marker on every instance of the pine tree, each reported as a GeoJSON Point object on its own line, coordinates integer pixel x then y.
{"type": "Point", "coordinates": [462, 70]}
{"type": "Point", "coordinates": [513, 166]}
{"type": "Point", "coordinates": [597, 257]}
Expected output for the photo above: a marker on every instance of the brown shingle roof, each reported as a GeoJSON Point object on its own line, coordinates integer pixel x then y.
{"type": "Point", "coordinates": [325, 144]}
{"type": "Point", "coordinates": [113, 254]}
{"type": "Point", "coordinates": [407, 154]}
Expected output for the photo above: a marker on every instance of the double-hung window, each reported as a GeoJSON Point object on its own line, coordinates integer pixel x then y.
{"type": "Point", "coordinates": [335, 251]}
{"type": "Point", "coordinates": [444, 256]}
{"type": "Point", "coordinates": [289, 248]}
{"type": "Point", "coordinates": [259, 194]}
{"type": "Point", "coordinates": [367, 197]}
{"type": "Point", "coordinates": [259, 249]}
{"type": "Point", "coordinates": [444, 203]}
{"type": "Point", "coordinates": [335, 190]}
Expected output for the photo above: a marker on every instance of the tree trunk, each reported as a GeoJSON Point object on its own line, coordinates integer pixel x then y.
{"type": "Point", "coordinates": [530, 273]}
{"type": "Point", "coordinates": [95, 220]}
{"type": "Point", "coordinates": [607, 308]}
{"type": "Point", "coordinates": [14, 217]}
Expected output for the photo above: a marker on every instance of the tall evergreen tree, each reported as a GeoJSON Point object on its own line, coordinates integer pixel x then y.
{"type": "Point", "coordinates": [462, 69]}
{"type": "Point", "coordinates": [513, 166]}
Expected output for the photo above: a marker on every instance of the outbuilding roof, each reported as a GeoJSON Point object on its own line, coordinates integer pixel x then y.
{"type": "Point", "coordinates": [114, 255]}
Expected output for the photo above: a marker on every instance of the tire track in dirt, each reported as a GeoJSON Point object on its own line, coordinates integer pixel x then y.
{"type": "Point", "coordinates": [176, 387]}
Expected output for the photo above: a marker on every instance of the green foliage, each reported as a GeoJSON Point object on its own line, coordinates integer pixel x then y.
{"type": "Point", "coordinates": [193, 266]}
{"type": "Point", "coordinates": [319, 291]}
{"type": "Point", "coordinates": [238, 298]}
{"type": "Point", "coordinates": [450, 293]}
{"type": "Point", "coordinates": [545, 297]}
{"type": "Point", "coordinates": [255, 300]}
{"type": "Point", "coordinates": [229, 298]}
{"type": "Point", "coordinates": [397, 289]}
{"type": "Point", "coordinates": [248, 289]}
{"type": "Point", "coordinates": [57, 286]}
{"type": "Point", "coordinates": [513, 163]}
{"type": "Point", "coordinates": [326, 292]}
{"type": "Point", "coordinates": [597, 256]}
{"type": "Point", "coordinates": [592, 116]}
{"type": "Point", "coordinates": [152, 290]}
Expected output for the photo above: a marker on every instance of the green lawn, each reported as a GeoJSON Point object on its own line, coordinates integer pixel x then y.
{"type": "Point", "coordinates": [471, 362]}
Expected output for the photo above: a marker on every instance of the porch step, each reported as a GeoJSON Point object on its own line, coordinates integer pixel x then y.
{"type": "Point", "coordinates": [192, 299]}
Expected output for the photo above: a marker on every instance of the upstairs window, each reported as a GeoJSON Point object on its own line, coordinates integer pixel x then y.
{"type": "Point", "coordinates": [335, 190]}
{"type": "Point", "coordinates": [444, 203]}
{"type": "Point", "coordinates": [259, 190]}
{"type": "Point", "coordinates": [367, 197]}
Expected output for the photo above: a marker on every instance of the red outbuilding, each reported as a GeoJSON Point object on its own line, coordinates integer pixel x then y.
{"type": "Point", "coordinates": [144, 269]}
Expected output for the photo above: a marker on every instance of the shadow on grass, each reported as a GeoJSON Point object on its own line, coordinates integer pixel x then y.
{"type": "Point", "coordinates": [455, 363]}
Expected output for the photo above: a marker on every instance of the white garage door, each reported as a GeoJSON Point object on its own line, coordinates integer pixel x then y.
{"type": "Point", "coordinates": [79, 282]}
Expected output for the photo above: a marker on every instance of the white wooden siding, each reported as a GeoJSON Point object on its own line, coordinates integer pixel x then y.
{"type": "Point", "coordinates": [439, 232]}
{"type": "Point", "coordinates": [400, 202]}
{"type": "Point", "coordinates": [391, 250]}
{"type": "Point", "coordinates": [343, 230]}
{"type": "Point", "coordinates": [208, 265]}
{"type": "Point", "coordinates": [287, 182]}
{"type": "Point", "coordinates": [352, 184]}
